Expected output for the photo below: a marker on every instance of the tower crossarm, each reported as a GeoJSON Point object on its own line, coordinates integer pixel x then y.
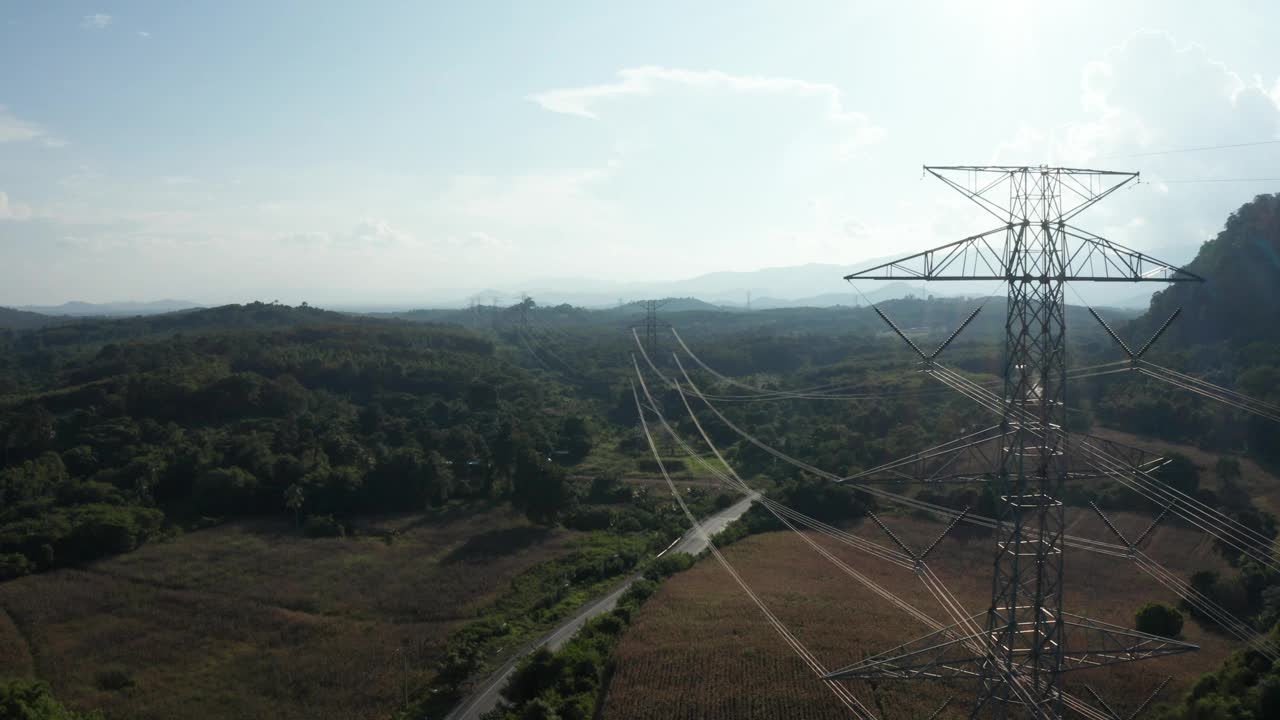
{"type": "Point", "coordinates": [1084, 257]}
{"type": "Point", "coordinates": [977, 457]}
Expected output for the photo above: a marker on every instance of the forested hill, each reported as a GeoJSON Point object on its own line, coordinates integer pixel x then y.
{"type": "Point", "coordinates": [22, 320]}
{"type": "Point", "coordinates": [1239, 302]}
{"type": "Point", "coordinates": [251, 410]}
{"type": "Point", "coordinates": [65, 332]}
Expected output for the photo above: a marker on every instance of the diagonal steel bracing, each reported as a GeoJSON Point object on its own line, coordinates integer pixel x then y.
{"type": "Point", "coordinates": [948, 654]}
{"type": "Point", "coordinates": [1027, 641]}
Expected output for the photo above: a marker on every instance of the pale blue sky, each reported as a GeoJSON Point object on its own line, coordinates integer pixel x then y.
{"type": "Point", "coordinates": [344, 152]}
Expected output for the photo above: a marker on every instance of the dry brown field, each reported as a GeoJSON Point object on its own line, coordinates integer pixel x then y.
{"type": "Point", "coordinates": [701, 649]}
{"type": "Point", "coordinates": [251, 620]}
{"type": "Point", "coordinates": [1261, 485]}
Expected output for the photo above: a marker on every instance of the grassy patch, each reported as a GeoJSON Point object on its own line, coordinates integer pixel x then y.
{"type": "Point", "coordinates": [254, 620]}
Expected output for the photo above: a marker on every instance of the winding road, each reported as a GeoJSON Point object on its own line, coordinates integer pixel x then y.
{"type": "Point", "coordinates": [486, 695]}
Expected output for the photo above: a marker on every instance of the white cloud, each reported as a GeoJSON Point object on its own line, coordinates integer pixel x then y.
{"type": "Point", "coordinates": [1153, 94]}
{"type": "Point", "coordinates": [650, 80]}
{"type": "Point", "coordinates": [144, 34]}
{"type": "Point", "coordinates": [1147, 96]}
{"type": "Point", "coordinates": [376, 234]}
{"type": "Point", "coordinates": [481, 241]}
{"type": "Point", "coordinates": [535, 200]}
{"type": "Point", "coordinates": [13, 211]}
{"type": "Point", "coordinates": [367, 234]}
{"type": "Point", "coordinates": [97, 21]}
{"type": "Point", "coordinates": [14, 129]}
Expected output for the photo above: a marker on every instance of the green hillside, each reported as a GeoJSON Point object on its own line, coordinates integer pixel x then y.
{"type": "Point", "coordinates": [1239, 302]}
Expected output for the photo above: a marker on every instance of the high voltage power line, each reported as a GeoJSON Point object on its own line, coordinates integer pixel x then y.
{"type": "Point", "coordinates": [1021, 669]}
{"type": "Point", "coordinates": [1199, 148]}
{"type": "Point", "coordinates": [1219, 180]}
{"type": "Point", "coordinates": [1193, 597]}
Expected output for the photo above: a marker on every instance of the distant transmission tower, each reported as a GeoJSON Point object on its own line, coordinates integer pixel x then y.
{"type": "Point", "coordinates": [1025, 643]}
{"type": "Point", "coordinates": [651, 326]}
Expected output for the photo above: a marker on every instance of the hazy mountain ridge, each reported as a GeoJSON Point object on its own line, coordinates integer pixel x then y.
{"type": "Point", "coordinates": [78, 308]}
{"type": "Point", "coordinates": [810, 285]}
{"type": "Point", "coordinates": [15, 319]}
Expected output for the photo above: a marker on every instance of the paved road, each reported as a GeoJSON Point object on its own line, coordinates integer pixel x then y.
{"type": "Point", "coordinates": [486, 695]}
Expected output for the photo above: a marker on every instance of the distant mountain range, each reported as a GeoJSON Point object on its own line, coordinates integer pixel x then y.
{"type": "Point", "coordinates": [812, 285]}
{"type": "Point", "coordinates": [84, 309]}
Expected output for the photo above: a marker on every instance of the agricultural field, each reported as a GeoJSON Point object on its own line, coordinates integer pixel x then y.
{"type": "Point", "coordinates": [1260, 485]}
{"type": "Point", "coordinates": [701, 649]}
{"type": "Point", "coordinates": [249, 619]}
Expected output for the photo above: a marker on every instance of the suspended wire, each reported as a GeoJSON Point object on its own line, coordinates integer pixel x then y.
{"type": "Point", "coordinates": [971, 518]}
{"type": "Point", "coordinates": [928, 577]}
{"type": "Point", "coordinates": [569, 367]}
{"type": "Point", "coordinates": [960, 617]}
{"type": "Point", "coordinates": [1190, 595]}
{"type": "Point", "coordinates": [1206, 605]}
{"type": "Point", "coordinates": [842, 693]}
{"type": "Point", "coordinates": [1200, 148]}
{"type": "Point", "coordinates": [781, 395]}
{"type": "Point", "coordinates": [764, 395]}
{"type": "Point", "coordinates": [991, 401]}
{"type": "Point", "coordinates": [735, 482]}
{"type": "Point", "coordinates": [1194, 598]}
{"type": "Point", "coordinates": [1198, 514]}
{"type": "Point", "coordinates": [1204, 388]}
{"type": "Point", "coordinates": [532, 354]}
{"type": "Point", "coordinates": [803, 393]}
{"type": "Point", "coordinates": [1219, 180]}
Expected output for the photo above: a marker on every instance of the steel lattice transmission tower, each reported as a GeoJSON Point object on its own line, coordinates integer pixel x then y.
{"type": "Point", "coordinates": [1026, 640]}
{"type": "Point", "coordinates": [651, 325]}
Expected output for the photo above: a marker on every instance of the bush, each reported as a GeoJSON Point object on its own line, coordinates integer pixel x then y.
{"type": "Point", "coordinates": [668, 565]}
{"type": "Point", "coordinates": [32, 700]}
{"type": "Point", "coordinates": [458, 666]}
{"type": "Point", "coordinates": [13, 565]}
{"type": "Point", "coordinates": [320, 526]}
{"type": "Point", "coordinates": [608, 488]}
{"type": "Point", "coordinates": [587, 519]}
{"type": "Point", "coordinates": [651, 466]}
{"type": "Point", "coordinates": [113, 679]}
{"type": "Point", "coordinates": [1158, 619]}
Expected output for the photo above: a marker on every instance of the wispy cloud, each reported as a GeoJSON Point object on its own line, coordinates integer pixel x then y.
{"type": "Point", "coordinates": [15, 129]}
{"type": "Point", "coordinates": [144, 34]}
{"type": "Point", "coordinates": [651, 79]}
{"type": "Point", "coordinates": [97, 21]}
{"type": "Point", "coordinates": [365, 235]}
{"type": "Point", "coordinates": [12, 211]}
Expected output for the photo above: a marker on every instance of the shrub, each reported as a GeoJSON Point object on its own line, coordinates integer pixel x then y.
{"type": "Point", "coordinates": [608, 488]}
{"type": "Point", "coordinates": [651, 466]}
{"type": "Point", "coordinates": [587, 519]}
{"type": "Point", "coordinates": [318, 526]}
{"type": "Point", "coordinates": [668, 565]}
{"type": "Point", "coordinates": [32, 700]}
{"type": "Point", "coordinates": [113, 679]}
{"type": "Point", "coordinates": [1158, 619]}
{"type": "Point", "coordinates": [13, 565]}
{"type": "Point", "coordinates": [458, 666]}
